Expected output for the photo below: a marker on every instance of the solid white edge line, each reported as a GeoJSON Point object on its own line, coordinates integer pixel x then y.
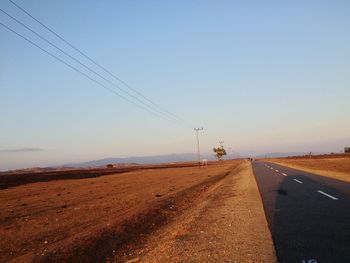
{"type": "Point", "coordinates": [300, 182]}
{"type": "Point", "coordinates": [328, 195]}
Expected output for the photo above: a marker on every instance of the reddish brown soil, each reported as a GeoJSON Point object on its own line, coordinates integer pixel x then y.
{"type": "Point", "coordinates": [15, 178]}
{"type": "Point", "coordinates": [86, 220]}
{"type": "Point", "coordinates": [226, 224]}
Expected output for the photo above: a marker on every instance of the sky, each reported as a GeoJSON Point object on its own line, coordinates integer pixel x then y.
{"type": "Point", "coordinates": [262, 76]}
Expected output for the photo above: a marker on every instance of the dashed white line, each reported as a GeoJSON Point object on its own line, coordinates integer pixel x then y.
{"type": "Point", "coordinates": [277, 171]}
{"type": "Point", "coordinates": [300, 182]}
{"type": "Point", "coordinates": [328, 195]}
{"type": "Point", "coordinates": [284, 174]}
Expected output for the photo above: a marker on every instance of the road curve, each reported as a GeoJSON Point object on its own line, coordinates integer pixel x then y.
{"type": "Point", "coordinates": [308, 215]}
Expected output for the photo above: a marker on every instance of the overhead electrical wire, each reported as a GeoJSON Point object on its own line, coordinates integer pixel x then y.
{"type": "Point", "coordinates": [78, 61]}
{"type": "Point", "coordinates": [155, 105]}
{"type": "Point", "coordinates": [82, 73]}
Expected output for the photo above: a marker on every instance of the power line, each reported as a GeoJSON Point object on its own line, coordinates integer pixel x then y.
{"type": "Point", "coordinates": [98, 65]}
{"type": "Point", "coordinates": [82, 64]}
{"type": "Point", "coordinates": [82, 73]}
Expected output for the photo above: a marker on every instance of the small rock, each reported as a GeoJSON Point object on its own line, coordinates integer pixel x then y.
{"type": "Point", "coordinates": [133, 260]}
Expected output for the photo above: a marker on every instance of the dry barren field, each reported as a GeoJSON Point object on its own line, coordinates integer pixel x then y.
{"type": "Point", "coordinates": [337, 166]}
{"type": "Point", "coordinates": [112, 217]}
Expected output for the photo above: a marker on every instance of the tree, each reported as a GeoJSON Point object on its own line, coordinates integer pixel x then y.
{"type": "Point", "coordinates": [219, 152]}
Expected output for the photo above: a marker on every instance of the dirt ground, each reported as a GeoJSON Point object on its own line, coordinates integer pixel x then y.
{"type": "Point", "coordinates": [226, 225]}
{"type": "Point", "coordinates": [114, 217]}
{"type": "Point", "coordinates": [46, 219]}
{"type": "Point", "coordinates": [34, 175]}
{"type": "Point", "coordinates": [337, 168]}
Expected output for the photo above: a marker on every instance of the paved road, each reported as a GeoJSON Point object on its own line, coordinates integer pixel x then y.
{"type": "Point", "coordinates": [308, 215]}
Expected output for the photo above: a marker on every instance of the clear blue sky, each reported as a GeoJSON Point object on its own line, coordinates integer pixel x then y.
{"type": "Point", "coordinates": [262, 76]}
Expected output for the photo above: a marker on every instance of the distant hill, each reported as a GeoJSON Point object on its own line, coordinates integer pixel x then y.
{"type": "Point", "coordinates": [169, 158]}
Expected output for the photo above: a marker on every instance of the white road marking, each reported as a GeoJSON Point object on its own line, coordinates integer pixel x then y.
{"type": "Point", "coordinates": [277, 171]}
{"type": "Point", "coordinates": [309, 261]}
{"type": "Point", "coordinates": [284, 174]}
{"type": "Point", "coordinates": [328, 195]}
{"type": "Point", "coordinates": [300, 182]}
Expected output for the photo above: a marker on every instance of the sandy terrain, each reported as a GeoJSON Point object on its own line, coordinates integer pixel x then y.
{"type": "Point", "coordinates": [114, 217]}
{"type": "Point", "coordinates": [337, 167]}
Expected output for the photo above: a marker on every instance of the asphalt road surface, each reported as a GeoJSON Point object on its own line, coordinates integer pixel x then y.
{"type": "Point", "coordinates": [308, 215]}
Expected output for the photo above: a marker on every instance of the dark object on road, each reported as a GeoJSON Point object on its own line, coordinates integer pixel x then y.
{"type": "Point", "coordinates": [282, 192]}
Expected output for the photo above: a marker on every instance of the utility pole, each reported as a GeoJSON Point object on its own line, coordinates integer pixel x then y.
{"type": "Point", "coordinates": [230, 151]}
{"type": "Point", "coordinates": [198, 151]}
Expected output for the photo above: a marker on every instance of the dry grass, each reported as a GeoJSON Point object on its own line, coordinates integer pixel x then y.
{"type": "Point", "coordinates": [337, 168]}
